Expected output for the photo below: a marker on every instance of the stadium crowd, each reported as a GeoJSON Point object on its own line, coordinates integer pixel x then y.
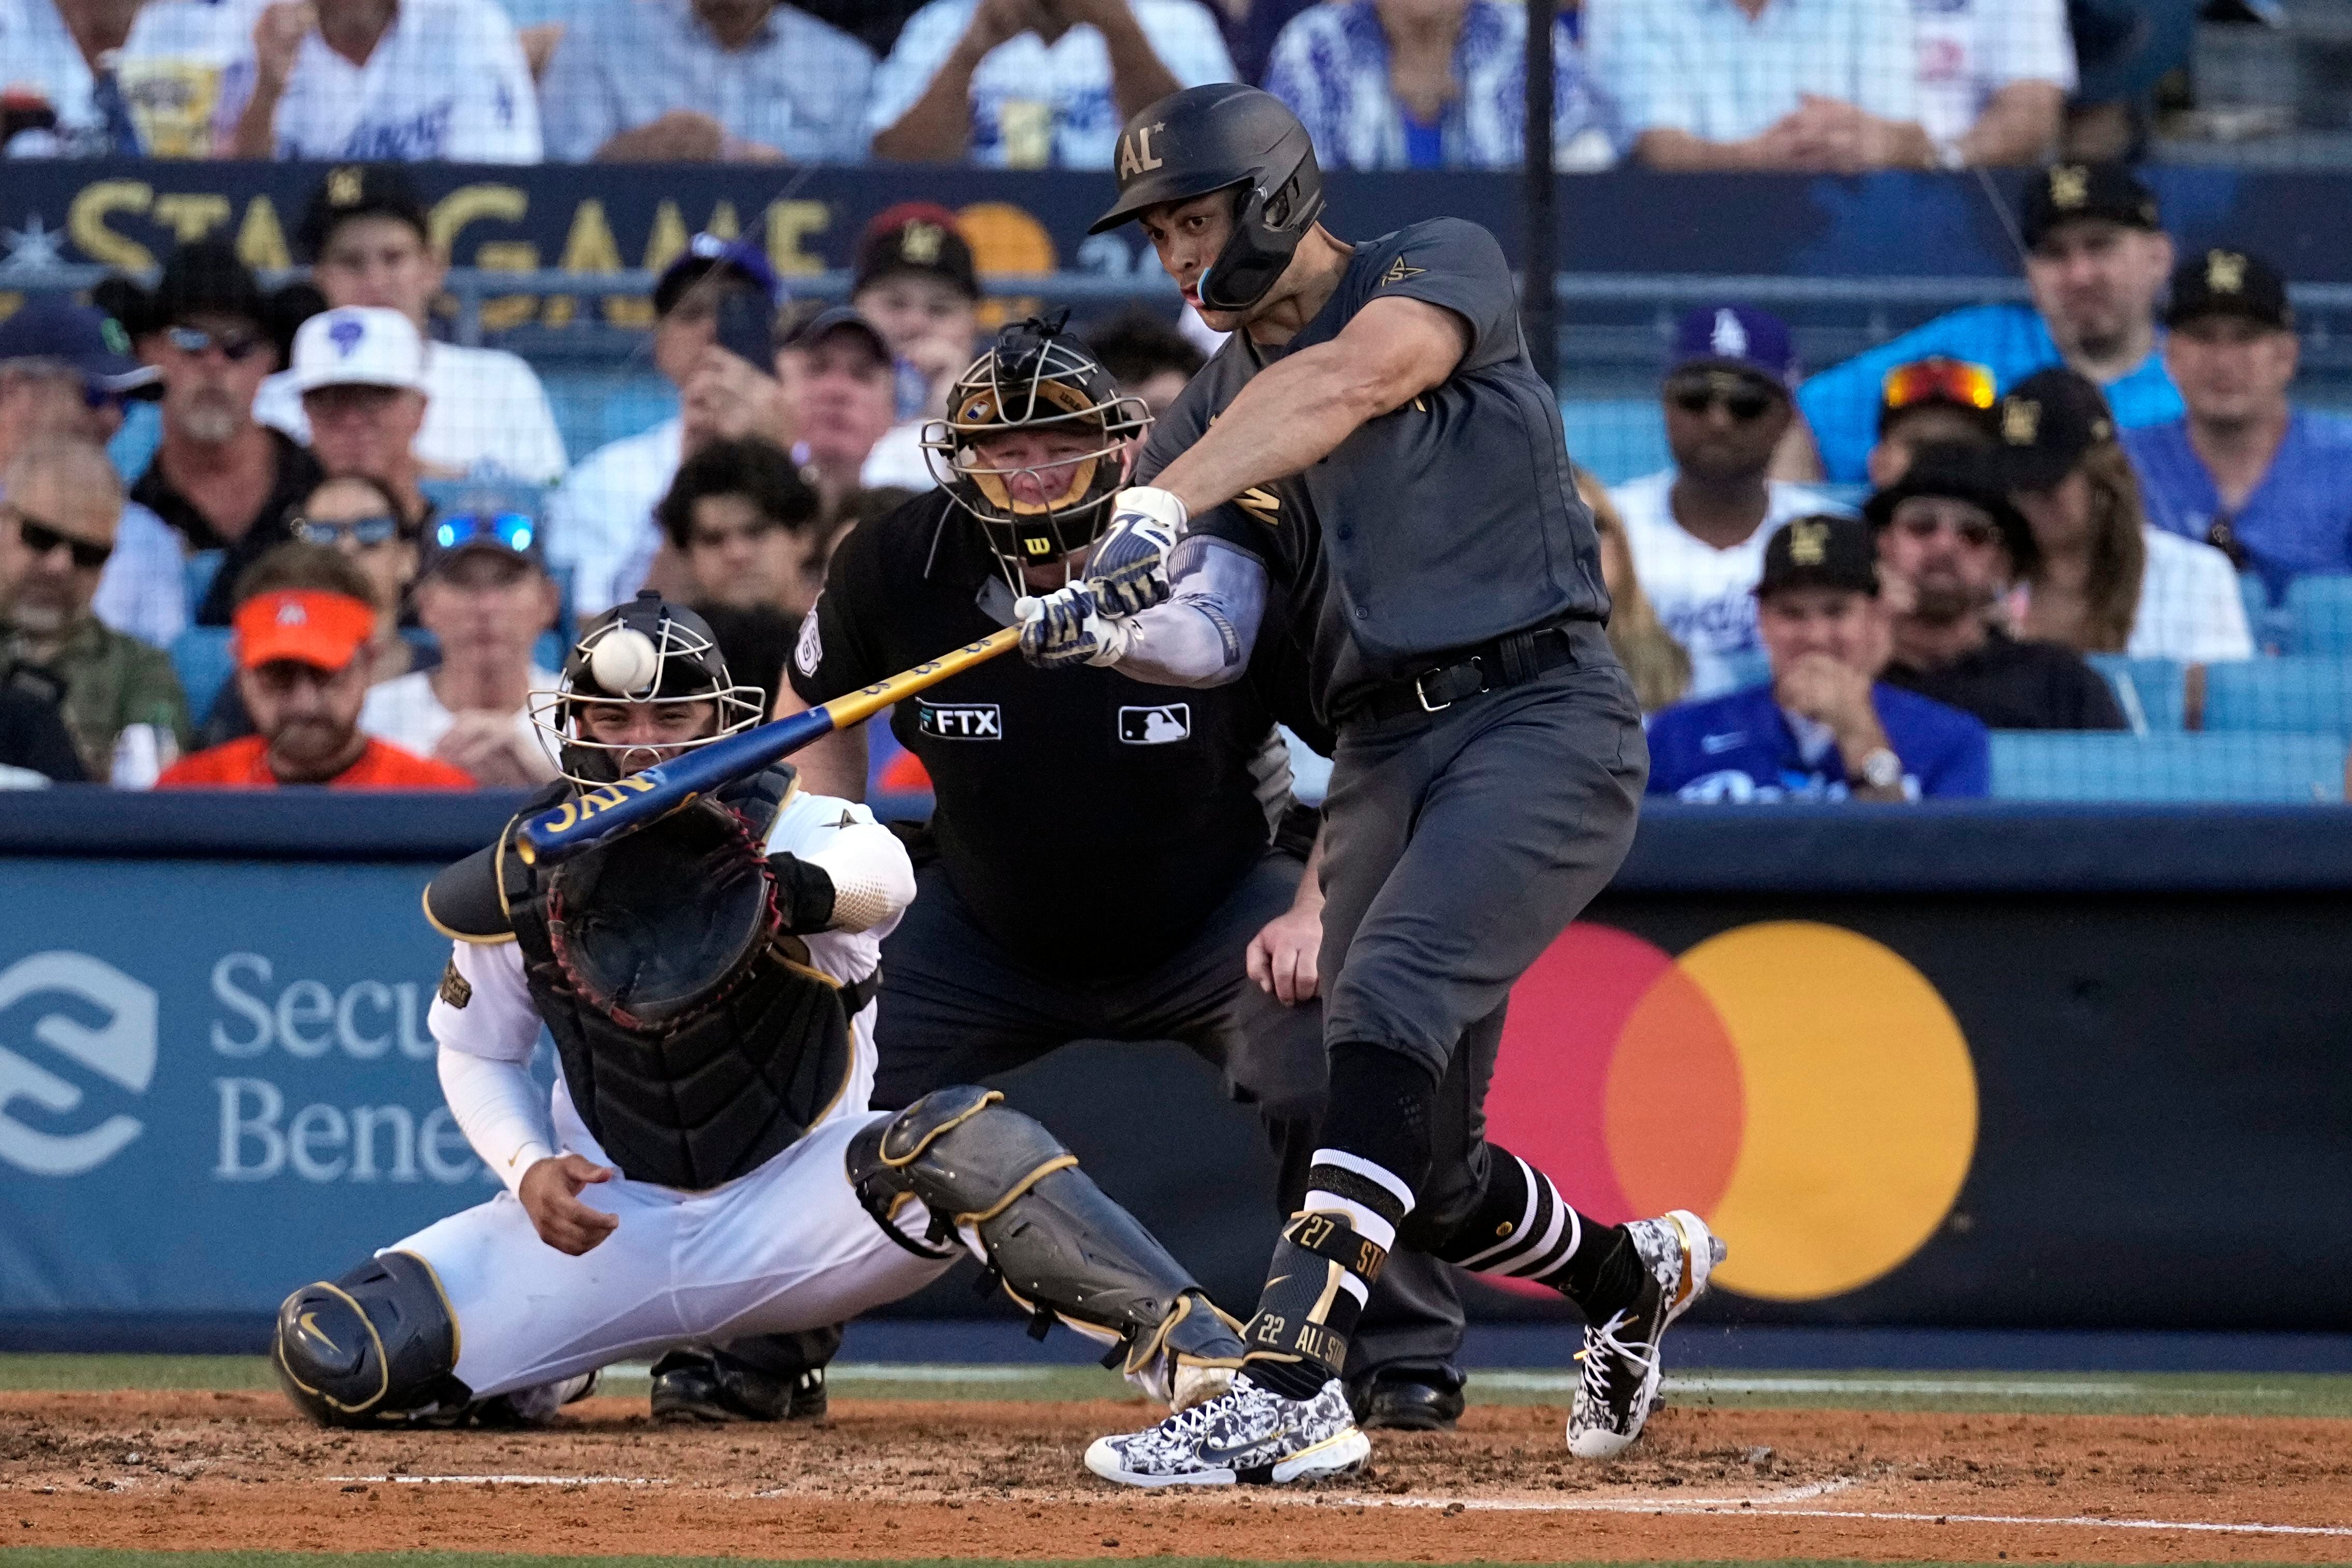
{"type": "Point", "coordinates": [1839, 85]}
{"type": "Point", "coordinates": [1961, 519]}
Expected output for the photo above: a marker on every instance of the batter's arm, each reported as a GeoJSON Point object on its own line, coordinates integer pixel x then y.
{"type": "Point", "coordinates": [835, 765]}
{"type": "Point", "coordinates": [1298, 410]}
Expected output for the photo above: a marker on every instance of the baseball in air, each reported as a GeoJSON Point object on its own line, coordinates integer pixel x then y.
{"type": "Point", "coordinates": [624, 661]}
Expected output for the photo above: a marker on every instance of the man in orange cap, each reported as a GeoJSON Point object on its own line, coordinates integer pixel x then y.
{"type": "Point", "coordinates": [304, 619]}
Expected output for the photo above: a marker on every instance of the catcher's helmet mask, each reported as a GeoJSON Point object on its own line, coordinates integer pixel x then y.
{"type": "Point", "coordinates": [688, 669]}
{"type": "Point", "coordinates": [1225, 137]}
{"type": "Point", "coordinates": [1035, 376]}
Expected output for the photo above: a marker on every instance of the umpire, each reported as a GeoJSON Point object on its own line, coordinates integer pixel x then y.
{"type": "Point", "coordinates": [1180, 800]}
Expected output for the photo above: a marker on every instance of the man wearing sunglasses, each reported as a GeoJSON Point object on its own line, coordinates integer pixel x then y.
{"type": "Point", "coordinates": [223, 481]}
{"type": "Point", "coordinates": [65, 373]}
{"type": "Point", "coordinates": [59, 503]}
{"type": "Point", "coordinates": [1934, 402]}
{"type": "Point", "coordinates": [2095, 261]}
{"type": "Point", "coordinates": [1950, 542]}
{"type": "Point", "coordinates": [1821, 728]}
{"type": "Point", "coordinates": [484, 594]}
{"type": "Point", "coordinates": [1698, 529]}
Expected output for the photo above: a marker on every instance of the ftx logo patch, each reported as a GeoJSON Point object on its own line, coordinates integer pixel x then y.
{"type": "Point", "coordinates": [959, 721]}
{"type": "Point", "coordinates": [1162, 726]}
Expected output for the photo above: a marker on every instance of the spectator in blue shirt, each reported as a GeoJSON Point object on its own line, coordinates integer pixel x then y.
{"type": "Point", "coordinates": [1433, 84]}
{"type": "Point", "coordinates": [2267, 483]}
{"type": "Point", "coordinates": [1821, 728]}
{"type": "Point", "coordinates": [2096, 264]}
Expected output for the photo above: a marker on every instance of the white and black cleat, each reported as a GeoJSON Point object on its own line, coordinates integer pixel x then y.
{"type": "Point", "coordinates": [1249, 1435]}
{"type": "Point", "coordinates": [1620, 1359]}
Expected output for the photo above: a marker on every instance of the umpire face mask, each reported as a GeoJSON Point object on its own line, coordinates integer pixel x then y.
{"type": "Point", "coordinates": [1034, 447]}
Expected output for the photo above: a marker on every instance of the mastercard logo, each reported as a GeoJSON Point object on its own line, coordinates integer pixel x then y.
{"type": "Point", "coordinates": [1801, 1086]}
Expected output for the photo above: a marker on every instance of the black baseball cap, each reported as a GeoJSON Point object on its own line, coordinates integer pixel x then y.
{"type": "Point", "coordinates": [206, 276]}
{"type": "Point", "coordinates": [2047, 422]}
{"type": "Point", "coordinates": [707, 252]}
{"type": "Point", "coordinates": [83, 339]}
{"type": "Point", "coordinates": [1824, 550]}
{"type": "Point", "coordinates": [361, 190]}
{"type": "Point", "coordinates": [2229, 283]}
{"type": "Point", "coordinates": [2064, 191]}
{"type": "Point", "coordinates": [1968, 474]}
{"type": "Point", "coordinates": [917, 236]}
{"type": "Point", "coordinates": [832, 319]}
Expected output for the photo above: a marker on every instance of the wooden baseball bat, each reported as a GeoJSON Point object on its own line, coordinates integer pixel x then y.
{"type": "Point", "coordinates": [601, 814]}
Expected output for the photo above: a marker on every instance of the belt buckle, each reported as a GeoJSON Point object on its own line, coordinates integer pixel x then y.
{"type": "Point", "coordinates": [1428, 706]}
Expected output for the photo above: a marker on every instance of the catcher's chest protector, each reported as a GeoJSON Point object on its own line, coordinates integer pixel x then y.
{"type": "Point", "coordinates": [695, 1040]}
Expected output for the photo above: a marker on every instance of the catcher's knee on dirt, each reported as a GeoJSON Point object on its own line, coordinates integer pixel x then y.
{"type": "Point", "coordinates": [371, 1348]}
{"type": "Point", "coordinates": [1010, 1189]}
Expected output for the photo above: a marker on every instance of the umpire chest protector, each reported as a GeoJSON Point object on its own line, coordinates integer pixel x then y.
{"type": "Point", "coordinates": [696, 1040]}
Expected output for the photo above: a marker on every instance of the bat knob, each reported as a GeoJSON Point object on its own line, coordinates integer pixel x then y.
{"type": "Point", "coordinates": [1028, 607]}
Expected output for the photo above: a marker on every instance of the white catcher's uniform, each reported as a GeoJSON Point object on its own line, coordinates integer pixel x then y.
{"type": "Point", "coordinates": [784, 1248]}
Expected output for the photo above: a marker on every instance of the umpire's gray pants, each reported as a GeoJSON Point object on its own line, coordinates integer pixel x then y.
{"type": "Point", "coordinates": [1456, 846]}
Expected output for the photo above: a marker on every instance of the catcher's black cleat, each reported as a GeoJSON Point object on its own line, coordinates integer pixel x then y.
{"type": "Point", "coordinates": [706, 1385]}
{"type": "Point", "coordinates": [1407, 1401]}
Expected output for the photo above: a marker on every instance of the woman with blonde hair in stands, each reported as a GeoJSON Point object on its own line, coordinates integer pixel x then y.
{"type": "Point", "coordinates": [2105, 581]}
{"type": "Point", "coordinates": [1660, 666]}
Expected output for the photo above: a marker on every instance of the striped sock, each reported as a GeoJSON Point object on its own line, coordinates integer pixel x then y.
{"type": "Point", "coordinates": [1322, 1273]}
{"type": "Point", "coordinates": [1523, 1230]}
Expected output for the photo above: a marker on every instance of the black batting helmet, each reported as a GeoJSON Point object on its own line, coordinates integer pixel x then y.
{"type": "Point", "coordinates": [1225, 137]}
{"type": "Point", "coordinates": [679, 663]}
{"type": "Point", "coordinates": [1035, 376]}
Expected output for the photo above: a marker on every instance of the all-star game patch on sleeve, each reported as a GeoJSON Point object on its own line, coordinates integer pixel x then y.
{"type": "Point", "coordinates": [1453, 263]}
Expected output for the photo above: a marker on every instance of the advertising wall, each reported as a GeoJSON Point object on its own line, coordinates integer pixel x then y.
{"type": "Point", "coordinates": [1975, 1066]}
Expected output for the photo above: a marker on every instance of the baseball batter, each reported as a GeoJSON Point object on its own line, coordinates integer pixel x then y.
{"type": "Point", "coordinates": [709, 1168]}
{"type": "Point", "coordinates": [1373, 437]}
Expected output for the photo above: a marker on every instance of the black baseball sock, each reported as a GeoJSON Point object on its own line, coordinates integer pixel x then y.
{"type": "Point", "coordinates": [1524, 1229]}
{"type": "Point", "coordinates": [1360, 1187]}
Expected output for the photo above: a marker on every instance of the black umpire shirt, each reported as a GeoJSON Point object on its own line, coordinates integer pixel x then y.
{"type": "Point", "coordinates": [1090, 823]}
{"type": "Point", "coordinates": [1447, 523]}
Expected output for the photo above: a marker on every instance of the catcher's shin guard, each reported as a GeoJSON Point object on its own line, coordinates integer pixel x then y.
{"type": "Point", "coordinates": [1008, 1187]}
{"type": "Point", "coordinates": [375, 1347]}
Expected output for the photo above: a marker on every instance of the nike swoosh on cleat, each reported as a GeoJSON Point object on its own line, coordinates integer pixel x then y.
{"type": "Point", "coordinates": [1227, 1454]}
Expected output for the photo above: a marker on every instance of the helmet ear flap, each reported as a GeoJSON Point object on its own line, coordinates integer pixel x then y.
{"type": "Point", "coordinates": [1268, 227]}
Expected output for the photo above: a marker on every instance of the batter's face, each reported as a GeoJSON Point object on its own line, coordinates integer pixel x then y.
{"type": "Point", "coordinates": [2230, 371]}
{"type": "Point", "coordinates": [1838, 621]}
{"type": "Point", "coordinates": [2095, 282]}
{"type": "Point", "coordinates": [650, 733]}
{"type": "Point", "coordinates": [1189, 236]}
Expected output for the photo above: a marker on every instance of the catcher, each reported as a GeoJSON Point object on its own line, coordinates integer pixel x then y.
{"type": "Point", "coordinates": [710, 1168]}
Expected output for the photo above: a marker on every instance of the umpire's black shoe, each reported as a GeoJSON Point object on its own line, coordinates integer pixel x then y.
{"type": "Point", "coordinates": [708, 1385]}
{"type": "Point", "coordinates": [1407, 1402]}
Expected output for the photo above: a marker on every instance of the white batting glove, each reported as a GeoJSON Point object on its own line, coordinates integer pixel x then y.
{"type": "Point", "coordinates": [1127, 572]}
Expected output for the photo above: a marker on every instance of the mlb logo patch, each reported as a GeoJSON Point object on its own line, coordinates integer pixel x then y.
{"type": "Point", "coordinates": [1162, 725]}
{"type": "Point", "coordinates": [959, 721]}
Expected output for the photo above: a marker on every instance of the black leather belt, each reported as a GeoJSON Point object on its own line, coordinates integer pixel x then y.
{"type": "Point", "coordinates": [1468, 673]}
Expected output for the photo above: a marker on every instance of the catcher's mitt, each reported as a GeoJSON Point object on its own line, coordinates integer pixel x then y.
{"type": "Point", "coordinates": [664, 923]}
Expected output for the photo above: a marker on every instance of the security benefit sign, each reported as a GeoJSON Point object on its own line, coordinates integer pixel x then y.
{"type": "Point", "coordinates": [216, 1082]}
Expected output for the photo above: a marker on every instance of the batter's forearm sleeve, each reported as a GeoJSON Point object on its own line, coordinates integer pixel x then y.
{"type": "Point", "coordinates": [501, 1112]}
{"type": "Point", "coordinates": [1203, 634]}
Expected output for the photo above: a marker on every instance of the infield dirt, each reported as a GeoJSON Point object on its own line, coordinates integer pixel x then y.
{"type": "Point", "coordinates": [907, 1480]}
